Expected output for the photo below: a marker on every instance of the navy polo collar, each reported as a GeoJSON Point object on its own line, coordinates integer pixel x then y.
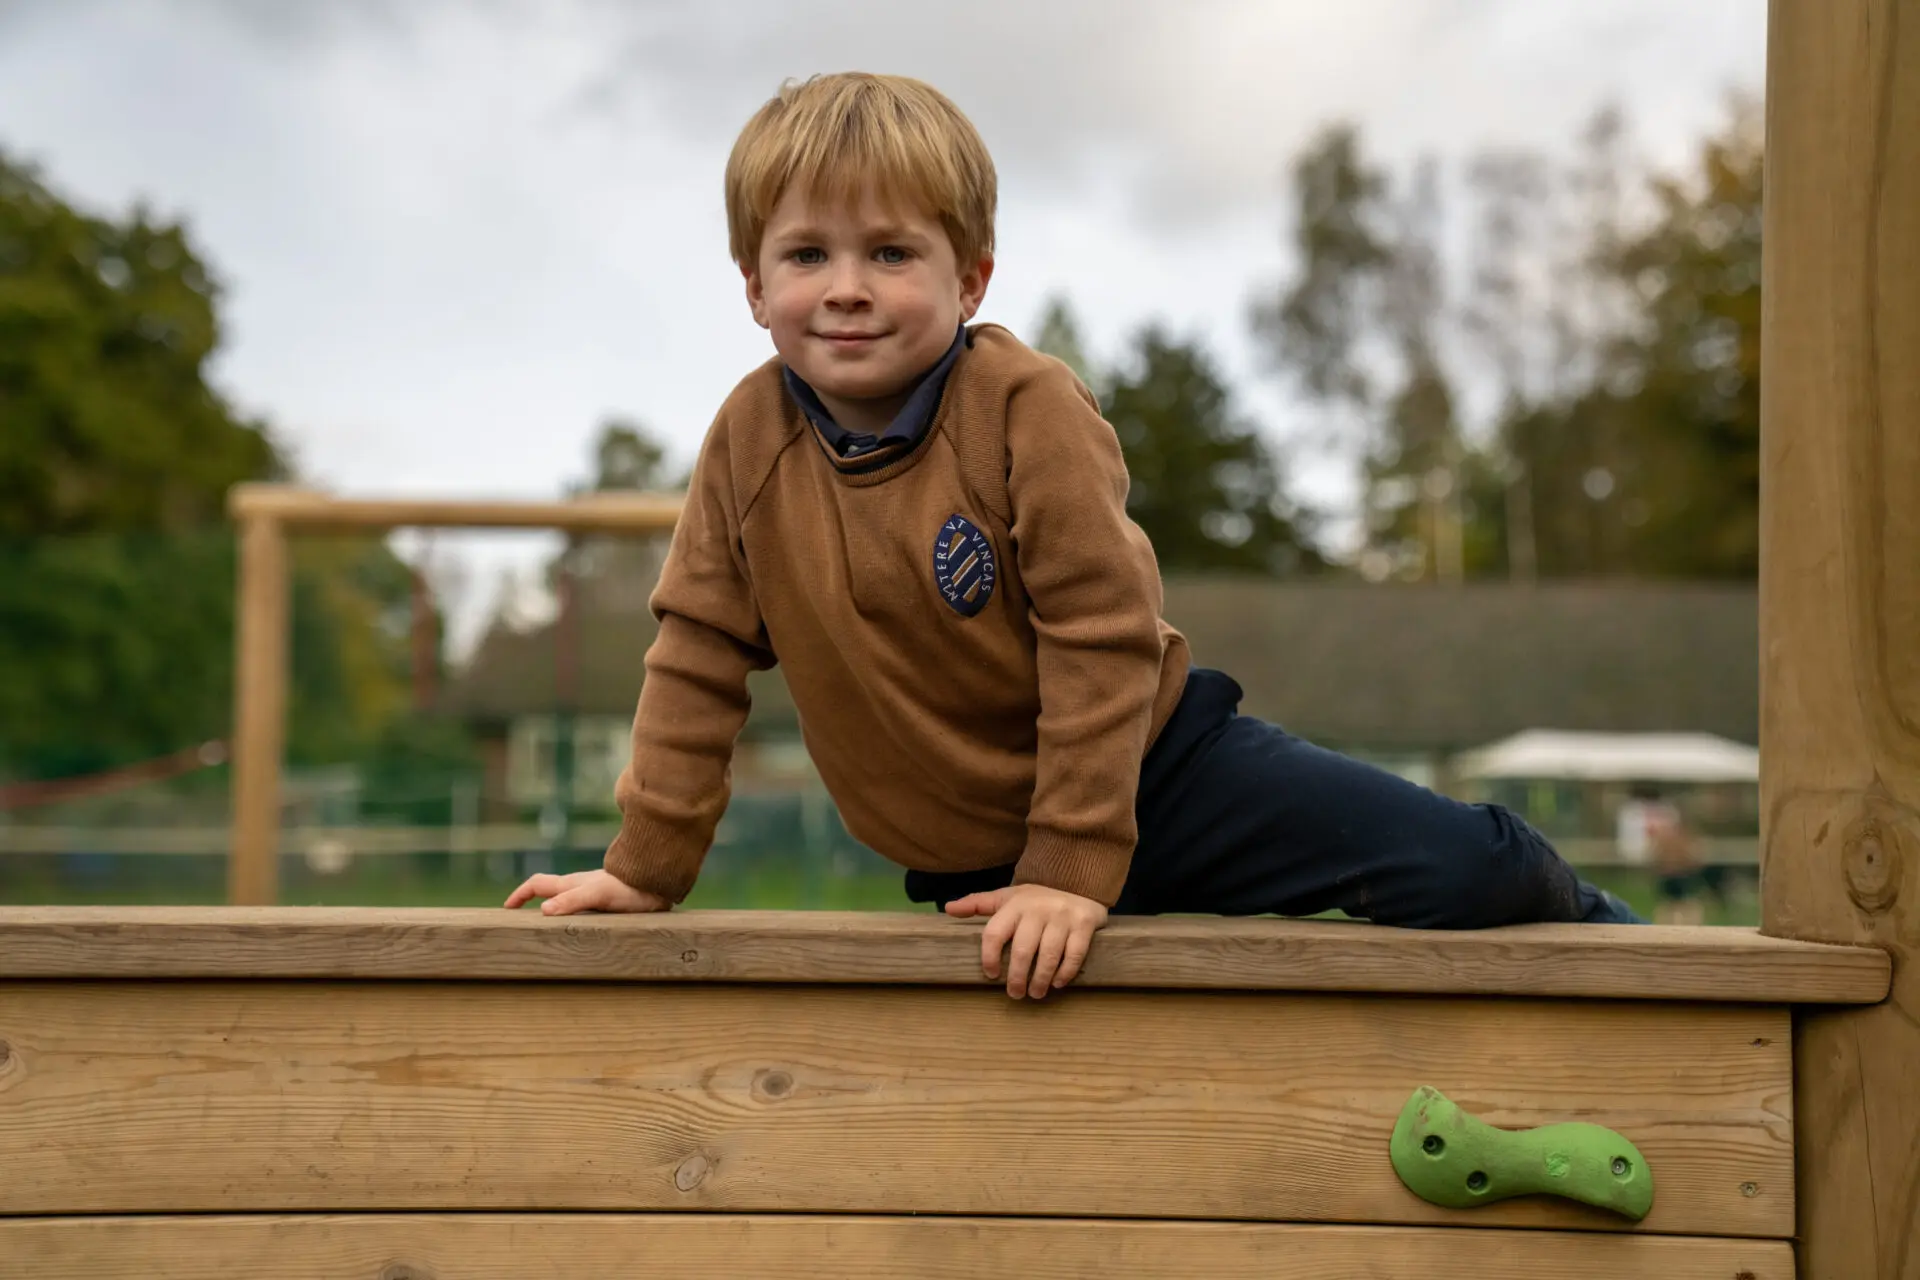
{"type": "Point", "coordinates": [915, 416]}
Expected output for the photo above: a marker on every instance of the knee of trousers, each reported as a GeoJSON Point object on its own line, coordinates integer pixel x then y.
{"type": "Point", "coordinates": [1511, 875]}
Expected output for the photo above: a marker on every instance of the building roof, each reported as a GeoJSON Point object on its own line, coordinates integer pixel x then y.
{"type": "Point", "coordinates": [1384, 668]}
{"type": "Point", "coordinates": [1428, 667]}
{"type": "Point", "coordinates": [1613, 757]}
{"type": "Point", "coordinates": [513, 673]}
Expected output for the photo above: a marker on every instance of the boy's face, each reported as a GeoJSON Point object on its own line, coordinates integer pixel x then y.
{"type": "Point", "coordinates": [860, 300]}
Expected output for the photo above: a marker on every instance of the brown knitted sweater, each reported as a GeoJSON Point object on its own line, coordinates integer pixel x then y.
{"type": "Point", "coordinates": [970, 631]}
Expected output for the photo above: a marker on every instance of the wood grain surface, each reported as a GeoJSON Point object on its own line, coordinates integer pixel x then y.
{"type": "Point", "coordinates": [1597, 961]}
{"type": "Point", "coordinates": [263, 651]}
{"type": "Point", "coordinates": [1840, 598]}
{"type": "Point", "coordinates": [715, 1247]}
{"type": "Point", "coordinates": [305, 510]}
{"type": "Point", "coordinates": [229, 1097]}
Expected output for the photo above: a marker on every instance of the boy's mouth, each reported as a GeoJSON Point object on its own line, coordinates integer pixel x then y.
{"type": "Point", "coordinates": [849, 338]}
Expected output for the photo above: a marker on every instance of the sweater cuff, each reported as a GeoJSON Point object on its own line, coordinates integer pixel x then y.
{"type": "Point", "coordinates": [1091, 867]}
{"type": "Point", "coordinates": [654, 859]}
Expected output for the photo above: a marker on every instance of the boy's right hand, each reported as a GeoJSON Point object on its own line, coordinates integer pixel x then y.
{"type": "Point", "coordinates": [584, 891]}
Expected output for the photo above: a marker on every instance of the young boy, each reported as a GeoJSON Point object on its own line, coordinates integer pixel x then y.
{"type": "Point", "coordinates": [926, 524]}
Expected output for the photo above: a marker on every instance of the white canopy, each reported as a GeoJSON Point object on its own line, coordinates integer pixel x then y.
{"type": "Point", "coordinates": [1613, 757]}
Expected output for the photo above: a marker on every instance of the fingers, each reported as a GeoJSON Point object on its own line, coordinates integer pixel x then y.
{"type": "Point", "coordinates": [1026, 943]}
{"type": "Point", "coordinates": [594, 891]}
{"type": "Point", "coordinates": [539, 886]}
{"type": "Point", "coordinates": [582, 898]}
{"type": "Point", "coordinates": [1079, 942]}
{"type": "Point", "coordinates": [585, 891]}
{"type": "Point", "coordinates": [1053, 943]}
{"type": "Point", "coordinates": [979, 904]}
{"type": "Point", "coordinates": [1044, 937]}
{"type": "Point", "coordinates": [993, 939]}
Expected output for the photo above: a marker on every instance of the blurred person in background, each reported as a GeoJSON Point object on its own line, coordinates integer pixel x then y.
{"type": "Point", "coordinates": [1665, 839]}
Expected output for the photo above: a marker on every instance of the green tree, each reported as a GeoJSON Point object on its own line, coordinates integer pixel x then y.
{"type": "Point", "coordinates": [627, 456]}
{"type": "Point", "coordinates": [1357, 330]}
{"type": "Point", "coordinates": [1059, 337]}
{"type": "Point", "coordinates": [617, 572]}
{"type": "Point", "coordinates": [1316, 329]}
{"type": "Point", "coordinates": [108, 649]}
{"type": "Point", "coordinates": [1546, 313]}
{"type": "Point", "coordinates": [1621, 336]}
{"type": "Point", "coordinates": [1206, 486]}
{"type": "Point", "coordinates": [1415, 454]}
{"type": "Point", "coordinates": [1638, 434]}
{"type": "Point", "coordinates": [116, 570]}
{"type": "Point", "coordinates": [105, 331]}
{"type": "Point", "coordinates": [1686, 376]}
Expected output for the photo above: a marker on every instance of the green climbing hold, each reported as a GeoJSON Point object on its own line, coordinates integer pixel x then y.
{"type": "Point", "coordinates": [1454, 1160]}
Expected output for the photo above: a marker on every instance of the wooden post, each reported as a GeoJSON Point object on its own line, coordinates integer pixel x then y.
{"type": "Point", "coordinates": [1840, 601]}
{"type": "Point", "coordinates": [266, 513]}
{"type": "Point", "coordinates": [259, 713]}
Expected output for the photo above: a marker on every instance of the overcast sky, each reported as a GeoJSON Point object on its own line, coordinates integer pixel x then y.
{"type": "Point", "coordinates": [455, 236]}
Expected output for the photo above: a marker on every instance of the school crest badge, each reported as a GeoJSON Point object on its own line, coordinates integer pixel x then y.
{"type": "Point", "coordinates": [963, 566]}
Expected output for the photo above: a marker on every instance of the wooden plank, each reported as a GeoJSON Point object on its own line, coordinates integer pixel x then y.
{"type": "Point", "coordinates": [1840, 596]}
{"type": "Point", "coordinates": [713, 1246]}
{"type": "Point", "coordinates": [219, 1097]}
{"type": "Point", "coordinates": [259, 713]}
{"type": "Point", "coordinates": [306, 511]}
{"type": "Point", "coordinates": [1596, 961]}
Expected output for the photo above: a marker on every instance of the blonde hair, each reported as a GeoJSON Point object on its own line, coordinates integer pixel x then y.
{"type": "Point", "coordinates": [833, 136]}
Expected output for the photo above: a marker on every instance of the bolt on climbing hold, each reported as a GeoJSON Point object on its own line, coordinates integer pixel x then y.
{"type": "Point", "coordinates": [1452, 1159]}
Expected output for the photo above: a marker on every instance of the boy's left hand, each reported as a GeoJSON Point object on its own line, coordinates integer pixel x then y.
{"type": "Point", "coordinates": [1050, 931]}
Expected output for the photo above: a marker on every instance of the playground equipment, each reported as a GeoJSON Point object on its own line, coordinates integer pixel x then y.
{"type": "Point", "coordinates": [378, 1094]}
{"type": "Point", "coordinates": [401, 1095]}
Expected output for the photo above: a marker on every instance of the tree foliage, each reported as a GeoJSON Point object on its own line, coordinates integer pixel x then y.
{"type": "Point", "coordinates": [1358, 329]}
{"type": "Point", "coordinates": [1686, 375]}
{"type": "Point", "coordinates": [1612, 315]}
{"type": "Point", "coordinates": [1206, 486]}
{"type": "Point", "coordinates": [116, 454]}
{"type": "Point", "coordinates": [105, 331]}
{"type": "Point", "coordinates": [1059, 337]}
{"type": "Point", "coordinates": [627, 456]}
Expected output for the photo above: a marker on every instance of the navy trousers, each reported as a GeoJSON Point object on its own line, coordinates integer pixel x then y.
{"type": "Point", "coordinates": [1239, 817]}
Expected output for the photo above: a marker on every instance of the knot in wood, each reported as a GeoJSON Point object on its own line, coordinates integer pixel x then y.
{"type": "Point", "coordinates": [772, 1085]}
{"type": "Point", "coordinates": [1874, 863]}
{"type": "Point", "coordinates": [689, 956]}
{"type": "Point", "coordinates": [691, 1173]}
{"type": "Point", "coordinates": [404, 1271]}
{"type": "Point", "coordinates": [582, 936]}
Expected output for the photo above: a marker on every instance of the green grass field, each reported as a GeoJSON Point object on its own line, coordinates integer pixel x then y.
{"type": "Point", "coordinates": [406, 882]}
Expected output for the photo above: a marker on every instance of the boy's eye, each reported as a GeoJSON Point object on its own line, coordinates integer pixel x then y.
{"type": "Point", "coordinates": [893, 255]}
{"type": "Point", "coordinates": [809, 256]}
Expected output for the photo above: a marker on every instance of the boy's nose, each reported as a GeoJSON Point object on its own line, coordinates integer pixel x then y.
{"type": "Point", "coordinates": [847, 288]}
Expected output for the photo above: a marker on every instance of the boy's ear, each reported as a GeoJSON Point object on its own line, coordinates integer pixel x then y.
{"type": "Point", "coordinates": [756, 295]}
{"type": "Point", "coordinates": [973, 288]}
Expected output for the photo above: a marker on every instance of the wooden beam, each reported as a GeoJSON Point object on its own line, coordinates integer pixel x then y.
{"type": "Point", "coordinates": [306, 511]}
{"type": "Point", "coordinates": [1840, 598]}
{"type": "Point", "coordinates": [277, 1097]}
{"type": "Point", "coordinates": [259, 712]}
{"type": "Point", "coordinates": [1626, 962]}
{"type": "Point", "coordinates": [716, 1246]}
